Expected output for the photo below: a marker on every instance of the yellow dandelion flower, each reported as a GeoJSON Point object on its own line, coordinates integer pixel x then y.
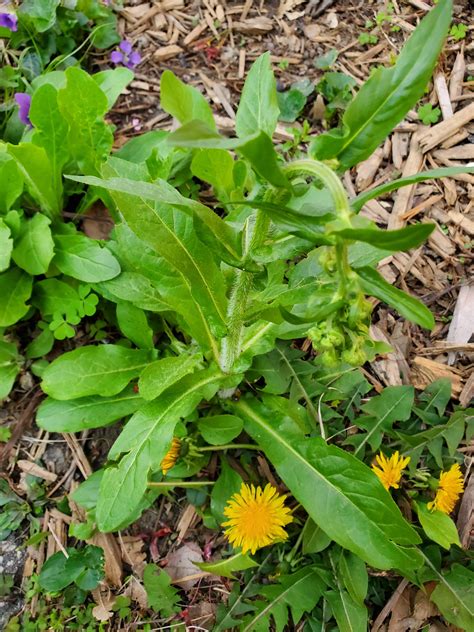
{"type": "Point", "coordinates": [256, 517]}
{"type": "Point", "coordinates": [171, 456]}
{"type": "Point", "coordinates": [450, 487]}
{"type": "Point", "coordinates": [390, 470]}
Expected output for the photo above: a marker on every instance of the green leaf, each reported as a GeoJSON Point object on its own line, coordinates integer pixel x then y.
{"type": "Point", "coordinates": [84, 567]}
{"type": "Point", "coordinates": [215, 166]}
{"type": "Point", "coordinates": [51, 130]}
{"type": "Point", "coordinates": [353, 573]}
{"type": "Point", "coordinates": [83, 104]}
{"type": "Point", "coordinates": [315, 539]}
{"type": "Point", "coordinates": [258, 107]}
{"type": "Point", "coordinates": [403, 239]}
{"type": "Point", "coordinates": [75, 415]}
{"type": "Point", "coordinates": [454, 596]}
{"type": "Point", "coordinates": [350, 615]}
{"type": "Point", "coordinates": [103, 370]}
{"type": "Point", "coordinates": [393, 404]}
{"type": "Point", "coordinates": [15, 290]}
{"type": "Point", "coordinates": [6, 246]}
{"type": "Point", "coordinates": [386, 97]}
{"type": "Point", "coordinates": [437, 525]}
{"type": "Point", "coordinates": [161, 596]}
{"type": "Point", "coordinates": [113, 83]}
{"type": "Point", "coordinates": [135, 288]}
{"type": "Point", "coordinates": [34, 246]}
{"type": "Point", "coordinates": [229, 565]}
{"type": "Point", "coordinates": [84, 259]}
{"type": "Point", "coordinates": [40, 15]}
{"type": "Point", "coordinates": [144, 442]}
{"type": "Point", "coordinates": [52, 296]}
{"type": "Point", "coordinates": [133, 323]}
{"type": "Point", "coordinates": [184, 102]}
{"type": "Point", "coordinates": [12, 182]}
{"type": "Point", "coordinates": [9, 367]}
{"type": "Point", "coordinates": [328, 481]}
{"type": "Point", "coordinates": [444, 172]}
{"type": "Point", "coordinates": [220, 429]}
{"type": "Point", "coordinates": [37, 171]}
{"type": "Point", "coordinates": [291, 104]}
{"type": "Point", "coordinates": [165, 372]}
{"type": "Point", "coordinates": [409, 307]}
{"type": "Point", "coordinates": [228, 484]}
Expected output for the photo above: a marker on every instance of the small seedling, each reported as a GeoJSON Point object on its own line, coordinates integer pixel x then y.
{"type": "Point", "coordinates": [428, 114]}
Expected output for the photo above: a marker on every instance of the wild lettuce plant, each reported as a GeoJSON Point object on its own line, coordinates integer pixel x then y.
{"type": "Point", "coordinates": [209, 296]}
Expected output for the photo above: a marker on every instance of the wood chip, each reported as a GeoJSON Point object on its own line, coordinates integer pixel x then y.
{"type": "Point", "coordinates": [195, 33]}
{"type": "Point", "coordinates": [425, 371]}
{"type": "Point", "coordinates": [189, 518]}
{"type": "Point", "coordinates": [255, 26]}
{"type": "Point", "coordinates": [442, 91]}
{"type": "Point", "coordinates": [167, 52]}
{"type": "Point", "coordinates": [461, 327]}
{"type": "Point", "coordinates": [440, 132]}
{"type": "Point", "coordinates": [465, 521]}
{"type": "Point", "coordinates": [367, 169]}
{"type": "Point", "coordinates": [36, 470]}
{"type": "Point", "coordinates": [457, 77]}
{"type": "Point", "coordinates": [404, 195]}
{"type": "Point", "coordinates": [467, 394]}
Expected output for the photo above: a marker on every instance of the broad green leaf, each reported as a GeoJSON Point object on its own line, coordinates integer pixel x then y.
{"type": "Point", "coordinates": [135, 288]}
{"type": "Point", "coordinates": [83, 104]}
{"type": "Point", "coordinates": [93, 370]}
{"type": "Point", "coordinates": [75, 415]}
{"type": "Point", "coordinates": [454, 596]}
{"type": "Point", "coordinates": [258, 107]}
{"type": "Point", "coordinates": [83, 567]}
{"type": "Point", "coordinates": [40, 15]}
{"type": "Point", "coordinates": [84, 259]}
{"type": "Point", "coordinates": [12, 182]}
{"type": "Point", "coordinates": [6, 246]}
{"type": "Point", "coordinates": [51, 130]}
{"type": "Point", "coordinates": [139, 148]}
{"type": "Point", "coordinates": [113, 83]}
{"type": "Point", "coordinates": [403, 239]}
{"type": "Point", "coordinates": [168, 197]}
{"type": "Point", "coordinates": [143, 443]}
{"type": "Point", "coordinates": [37, 171]}
{"type": "Point", "coordinates": [9, 367]}
{"type": "Point", "coordinates": [184, 102]}
{"type": "Point", "coordinates": [353, 573]}
{"type": "Point", "coordinates": [409, 307]}
{"type": "Point", "coordinates": [330, 482]}
{"type": "Point", "coordinates": [350, 615]}
{"type": "Point", "coordinates": [227, 566]}
{"type": "Point", "coordinates": [228, 484]}
{"type": "Point", "coordinates": [161, 596]}
{"type": "Point", "coordinates": [220, 429]}
{"type": "Point", "coordinates": [52, 296]}
{"type": "Point", "coordinates": [171, 234]}
{"type": "Point", "coordinates": [444, 172]}
{"type": "Point", "coordinates": [34, 247]}
{"type": "Point", "coordinates": [15, 290]}
{"type": "Point", "coordinates": [215, 166]}
{"type": "Point", "coordinates": [386, 97]}
{"type": "Point", "coordinates": [257, 148]}
{"type": "Point", "coordinates": [393, 404]}
{"type": "Point", "coordinates": [133, 323]}
{"type": "Point", "coordinates": [315, 539]}
{"type": "Point", "coordinates": [165, 372]}
{"type": "Point", "coordinates": [437, 525]}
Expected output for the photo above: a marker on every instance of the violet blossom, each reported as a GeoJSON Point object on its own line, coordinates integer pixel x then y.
{"type": "Point", "coordinates": [9, 21]}
{"type": "Point", "coordinates": [126, 55]}
{"type": "Point", "coordinates": [24, 101]}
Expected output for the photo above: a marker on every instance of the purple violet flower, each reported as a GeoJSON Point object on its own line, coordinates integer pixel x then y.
{"type": "Point", "coordinates": [9, 21]}
{"type": "Point", "coordinates": [126, 55]}
{"type": "Point", "coordinates": [24, 101]}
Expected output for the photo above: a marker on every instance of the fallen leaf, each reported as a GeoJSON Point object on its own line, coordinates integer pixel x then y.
{"type": "Point", "coordinates": [181, 565]}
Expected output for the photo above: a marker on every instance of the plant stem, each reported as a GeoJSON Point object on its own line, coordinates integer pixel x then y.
{"type": "Point", "coordinates": [180, 484]}
{"type": "Point", "coordinates": [229, 446]}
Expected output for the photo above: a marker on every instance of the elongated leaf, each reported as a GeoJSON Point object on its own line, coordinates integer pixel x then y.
{"type": "Point", "coordinates": [133, 287]}
{"type": "Point", "coordinates": [257, 147]}
{"type": "Point", "coordinates": [113, 83]}
{"type": "Point", "coordinates": [354, 574]}
{"type": "Point", "coordinates": [314, 538]}
{"type": "Point", "coordinates": [227, 566]}
{"type": "Point", "coordinates": [6, 246]}
{"type": "Point", "coordinates": [215, 166]}
{"type": "Point", "coordinates": [350, 615]}
{"type": "Point", "coordinates": [84, 259]}
{"type": "Point", "coordinates": [86, 412]}
{"type": "Point", "coordinates": [163, 373]}
{"type": "Point", "coordinates": [167, 196]}
{"type": "Point", "coordinates": [134, 325]}
{"type": "Point", "coordinates": [103, 370]}
{"type": "Point", "coordinates": [258, 107]}
{"type": "Point", "coordinates": [144, 442]}
{"type": "Point", "coordinates": [403, 239]}
{"type": "Point", "coordinates": [386, 97]}
{"type": "Point", "coordinates": [184, 102]}
{"type": "Point", "coordinates": [9, 367]}
{"type": "Point", "coordinates": [444, 172]}
{"type": "Point", "coordinates": [35, 166]}
{"type": "Point", "coordinates": [34, 246]}
{"type": "Point", "coordinates": [171, 234]}
{"type": "Point", "coordinates": [454, 595]}
{"type": "Point", "coordinates": [438, 526]}
{"type": "Point", "coordinates": [12, 182]}
{"type": "Point", "coordinates": [340, 493]}
{"type": "Point", "coordinates": [411, 308]}
{"type": "Point", "coordinates": [15, 290]}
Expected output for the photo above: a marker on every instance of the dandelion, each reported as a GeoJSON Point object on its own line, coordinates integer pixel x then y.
{"type": "Point", "coordinates": [9, 21]}
{"type": "Point", "coordinates": [390, 470]}
{"type": "Point", "coordinates": [126, 55]}
{"type": "Point", "coordinates": [24, 102]}
{"type": "Point", "coordinates": [450, 487]}
{"type": "Point", "coordinates": [256, 517]}
{"type": "Point", "coordinates": [170, 458]}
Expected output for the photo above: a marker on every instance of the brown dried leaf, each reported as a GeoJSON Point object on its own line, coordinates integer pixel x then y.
{"type": "Point", "coordinates": [181, 564]}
